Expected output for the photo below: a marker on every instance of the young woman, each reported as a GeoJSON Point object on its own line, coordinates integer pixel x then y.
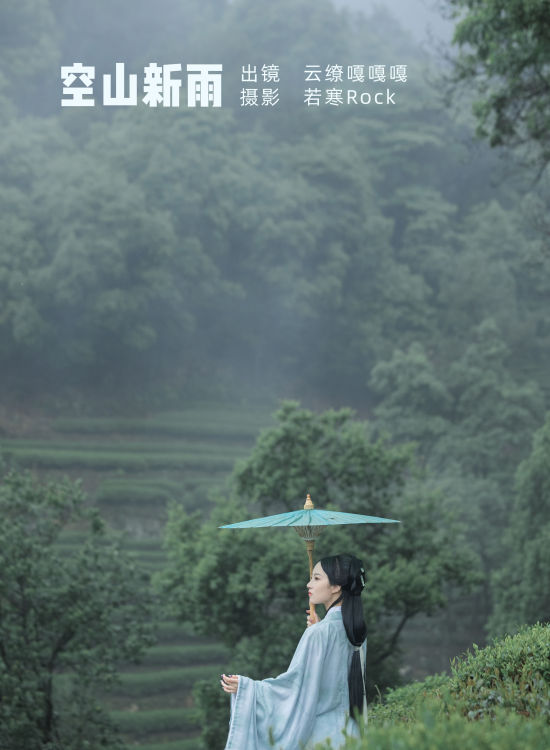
{"type": "Point", "coordinates": [325, 682]}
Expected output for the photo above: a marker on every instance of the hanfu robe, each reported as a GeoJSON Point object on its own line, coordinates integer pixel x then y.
{"type": "Point", "coordinates": [307, 704]}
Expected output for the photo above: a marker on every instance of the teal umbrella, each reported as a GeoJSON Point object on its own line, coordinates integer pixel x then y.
{"type": "Point", "coordinates": [308, 523]}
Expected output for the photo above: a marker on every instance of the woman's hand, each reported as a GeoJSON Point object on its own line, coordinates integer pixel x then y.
{"type": "Point", "coordinates": [312, 618]}
{"type": "Point", "coordinates": [230, 682]}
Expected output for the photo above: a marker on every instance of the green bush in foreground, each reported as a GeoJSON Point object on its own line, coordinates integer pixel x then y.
{"type": "Point", "coordinates": [402, 704]}
{"type": "Point", "coordinates": [512, 674]}
{"type": "Point", "coordinates": [497, 698]}
{"type": "Point", "coordinates": [430, 732]}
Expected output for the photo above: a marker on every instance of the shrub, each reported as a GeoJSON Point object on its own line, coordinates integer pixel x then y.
{"type": "Point", "coordinates": [503, 687]}
{"type": "Point", "coordinates": [402, 704]}
{"type": "Point", "coordinates": [514, 673]}
{"type": "Point", "coordinates": [433, 732]}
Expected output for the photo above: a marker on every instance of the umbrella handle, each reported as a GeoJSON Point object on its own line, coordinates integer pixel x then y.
{"type": "Point", "coordinates": [310, 544]}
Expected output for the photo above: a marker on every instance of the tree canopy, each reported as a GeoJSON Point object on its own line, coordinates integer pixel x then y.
{"type": "Point", "coordinates": [340, 256]}
{"type": "Point", "coordinates": [247, 587]}
{"type": "Point", "coordinates": [522, 584]}
{"type": "Point", "coordinates": [68, 620]}
{"type": "Point", "coordinates": [505, 56]}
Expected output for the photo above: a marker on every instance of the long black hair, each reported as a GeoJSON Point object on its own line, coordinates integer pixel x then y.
{"type": "Point", "coordinates": [347, 571]}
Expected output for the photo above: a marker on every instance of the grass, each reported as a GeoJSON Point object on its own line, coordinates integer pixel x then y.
{"type": "Point", "coordinates": [191, 447]}
{"type": "Point", "coordinates": [143, 723]}
{"type": "Point", "coordinates": [190, 743]}
{"type": "Point", "coordinates": [170, 631]}
{"type": "Point", "coordinates": [219, 424]}
{"type": "Point", "coordinates": [163, 701]}
{"type": "Point", "coordinates": [142, 491]}
{"type": "Point", "coordinates": [137, 684]}
{"type": "Point", "coordinates": [46, 458]}
{"type": "Point", "coordinates": [186, 655]}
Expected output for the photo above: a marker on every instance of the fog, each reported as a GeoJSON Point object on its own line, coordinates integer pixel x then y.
{"type": "Point", "coordinates": [423, 19]}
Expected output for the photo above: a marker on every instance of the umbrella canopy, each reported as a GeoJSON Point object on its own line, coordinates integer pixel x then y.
{"type": "Point", "coordinates": [307, 517]}
{"type": "Point", "coordinates": [308, 522]}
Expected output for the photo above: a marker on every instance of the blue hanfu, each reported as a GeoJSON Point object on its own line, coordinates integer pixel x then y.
{"type": "Point", "coordinates": [307, 704]}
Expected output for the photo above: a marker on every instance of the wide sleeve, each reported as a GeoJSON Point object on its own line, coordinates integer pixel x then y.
{"type": "Point", "coordinates": [280, 710]}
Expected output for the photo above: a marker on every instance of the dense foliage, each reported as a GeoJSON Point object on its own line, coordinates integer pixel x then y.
{"type": "Point", "coordinates": [250, 593]}
{"type": "Point", "coordinates": [512, 673]}
{"type": "Point", "coordinates": [496, 697]}
{"type": "Point", "coordinates": [522, 583]}
{"type": "Point", "coordinates": [66, 622]}
{"type": "Point", "coordinates": [505, 54]}
{"type": "Point", "coordinates": [270, 248]}
{"type": "Point", "coordinates": [341, 256]}
{"type": "Point", "coordinates": [431, 733]}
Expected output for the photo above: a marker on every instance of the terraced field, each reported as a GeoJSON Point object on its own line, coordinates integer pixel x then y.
{"type": "Point", "coordinates": [131, 468]}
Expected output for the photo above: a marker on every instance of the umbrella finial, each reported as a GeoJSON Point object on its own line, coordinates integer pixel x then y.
{"type": "Point", "coordinates": [309, 503]}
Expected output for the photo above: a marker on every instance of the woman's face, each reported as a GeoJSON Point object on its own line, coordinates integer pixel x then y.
{"type": "Point", "coordinates": [320, 590]}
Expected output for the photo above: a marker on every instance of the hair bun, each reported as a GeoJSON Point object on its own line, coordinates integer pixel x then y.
{"type": "Point", "coordinates": [357, 584]}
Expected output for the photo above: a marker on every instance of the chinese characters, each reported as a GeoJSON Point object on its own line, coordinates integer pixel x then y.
{"type": "Point", "coordinates": [267, 96]}
{"type": "Point", "coordinates": [333, 85]}
{"type": "Point", "coordinates": [160, 86]}
{"type": "Point", "coordinates": [337, 95]}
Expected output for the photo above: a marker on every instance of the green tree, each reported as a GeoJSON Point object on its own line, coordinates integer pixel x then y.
{"type": "Point", "coordinates": [416, 404]}
{"type": "Point", "coordinates": [330, 455]}
{"type": "Point", "coordinates": [504, 55]}
{"type": "Point", "coordinates": [93, 280]}
{"type": "Point", "coordinates": [471, 419]}
{"type": "Point", "coordinates": [494, 413]}
{"type": "Point", "coordinates": [67, 619]}
{"type": "Point", "coordinates": [248, 587]}
{"type": "Point", "coordinates": [471, 411]}
{"type": "Point", "coordinates": [522, 585]}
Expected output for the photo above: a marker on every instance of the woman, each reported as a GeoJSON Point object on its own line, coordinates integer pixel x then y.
{"type": "Point", "coordinates": [324, 684]}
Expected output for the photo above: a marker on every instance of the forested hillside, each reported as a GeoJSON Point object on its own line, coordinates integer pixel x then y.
{"type": "Point", "coordinates": [373, 257]}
